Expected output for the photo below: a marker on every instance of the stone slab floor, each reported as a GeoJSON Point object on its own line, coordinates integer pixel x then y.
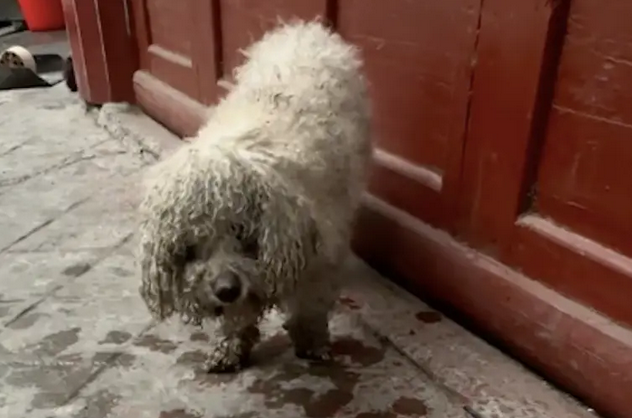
{"type": "Point", "coordinates": [76, 341]}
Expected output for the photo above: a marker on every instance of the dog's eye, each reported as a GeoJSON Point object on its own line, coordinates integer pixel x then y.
{"type": "Point", "coordinates": [237, 231]}
{"type": "Point", "coordinates": [249, 245]}
{"type": "Point", "coordinates": [250, 248]}
{"type": "Point", "coordinates": [189, 254]}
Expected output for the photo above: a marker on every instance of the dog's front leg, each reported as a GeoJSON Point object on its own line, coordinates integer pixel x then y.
{"type": "Point", "coordinates": [308, 322]}
{"type": "Point", "coordinates": [237, 335]}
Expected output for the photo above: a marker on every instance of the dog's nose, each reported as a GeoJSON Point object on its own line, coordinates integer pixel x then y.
{"type": "Point", "coordinates": [228, 288]}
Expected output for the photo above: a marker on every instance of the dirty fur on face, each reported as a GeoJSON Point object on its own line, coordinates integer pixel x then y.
{"type": "Point", "coordinates": [257, 210]}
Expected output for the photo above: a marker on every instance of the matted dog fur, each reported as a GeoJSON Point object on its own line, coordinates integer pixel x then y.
{"type": "Point", "coordinates": [257, 210]}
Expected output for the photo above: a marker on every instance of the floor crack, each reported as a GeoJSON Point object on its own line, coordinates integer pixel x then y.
{"type": "Point", "coordinates": [66, 162]}
{"type": "Point", "coordinates": [44, 224]}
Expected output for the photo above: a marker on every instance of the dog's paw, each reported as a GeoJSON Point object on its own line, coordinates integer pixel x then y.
{"type": "Point", "coordinates": [228, 357]}
{"type": "Point", "coordinates": [219, 365]}
{"type": "Point", "coordinates": [321, 354]}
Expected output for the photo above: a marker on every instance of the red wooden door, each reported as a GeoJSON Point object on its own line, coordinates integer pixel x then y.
{"type": "Point", "coordinates": [179, 60]}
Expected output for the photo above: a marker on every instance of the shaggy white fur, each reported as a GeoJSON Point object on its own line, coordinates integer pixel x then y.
{"type": "Point", "coordinates": [258, 209]}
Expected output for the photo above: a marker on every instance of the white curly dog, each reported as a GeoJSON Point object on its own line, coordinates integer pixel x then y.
{"type": "Point", "coordinates": [257, 210]}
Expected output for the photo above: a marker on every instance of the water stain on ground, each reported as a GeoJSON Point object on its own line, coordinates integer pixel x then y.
{"type": "Point", "coordinates": [121, 272]}
{"type": "Point", "coordinates": [200, 336]}
{"type": "Point", "coordinates": [277, 392]}
{"type": "Point", "coordinates": [68, 359]}
{"type": "Point", "coordinates": [26, 321]}
{"type": "Point", "coordinates": [190, 358]}
{"type": "Point", "coordinates": [57, 379]}
{"type": "Point", "coordinates": [125, 360]}
{"type": "Point", "coordinates": [429, 317]}
{"type": "Point", "coordinates": [179, 413]}
{"type": "Point", "coordinates": [376, 414]}
{"type": "Point", "coordinates": [55, 343]}
{"type": "Point", "coordinates": [4, 299]}
{"type": "Point", "coordinates": [402, 407]}
{"type": "Point", "coordinates": [410, 407]}
{"type": "Point", "coordinates": [53, 106]}
{"type": "Point", "coordinates": [242, 415]}
{"type": "Point", "coordinates": [155, 343]}
{"type": "Point", "coordinates": [116, 337]}
{"type": "Point", "coordinates": [76, 270]}
{"type": "Point", "coordinates": [54, 382]}
{"type": "Point", "coordinates": [116, 358]}
{"type": "Point", "coordinates": [4, 311]}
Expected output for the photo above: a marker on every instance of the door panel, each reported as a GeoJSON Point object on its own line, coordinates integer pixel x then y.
{"type": "Point", "coordinates": [545, 185]}
{"type": "Point", "coordinates": [583, 182]}
{"type": "Point", "coordinates": [245, 21]}
{"type": "Point", "coordinates": [179, 60]}
{"type": "Point", "coordinates": [170, 25]}
{"type": "Point", "coordinates": [582, 202]}
{"type": "Point", "coordinates": [419, 58]}
{"type": "Point", "coordinates": [167, 54]}
{"type": "Point", "coordinates": [174, 69]}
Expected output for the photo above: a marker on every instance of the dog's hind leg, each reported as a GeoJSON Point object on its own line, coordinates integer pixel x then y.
{"type": "Point", "coordinates": [237, 334]}
{"type": "Point", "coordinates": [309, 309]}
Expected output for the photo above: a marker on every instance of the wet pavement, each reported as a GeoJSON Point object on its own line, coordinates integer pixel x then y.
{"type": "Point", "coordinates": [76, 340]}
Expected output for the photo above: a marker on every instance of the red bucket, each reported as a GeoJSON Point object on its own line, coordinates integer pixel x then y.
{"type": "Point", "coordinates": [43, 15]}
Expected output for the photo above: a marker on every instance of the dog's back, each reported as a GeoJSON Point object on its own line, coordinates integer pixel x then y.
{"type": "Point", "coordinates": [300, 105]}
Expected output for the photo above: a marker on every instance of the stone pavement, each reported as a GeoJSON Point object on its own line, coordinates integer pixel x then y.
{"type": "Point", "coordinates": [76, 340]}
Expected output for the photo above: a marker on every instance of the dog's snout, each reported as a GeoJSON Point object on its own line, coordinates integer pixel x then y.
{"type": "Point", "coordinates": [227, 288]}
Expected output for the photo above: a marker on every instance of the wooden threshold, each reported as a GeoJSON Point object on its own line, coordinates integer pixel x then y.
{"type": "Point", "coordinates": [584, 352]}
{"type": "Point", "coordinates": [175, 110]}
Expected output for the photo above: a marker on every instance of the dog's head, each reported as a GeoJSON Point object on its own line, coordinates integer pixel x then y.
{"type": "Point", "coordinates": [233, 236]}
{"type": "Point", "coordinates": [221, 274]}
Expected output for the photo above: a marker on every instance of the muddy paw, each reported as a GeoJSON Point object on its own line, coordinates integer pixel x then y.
{"type": "Point", "coordinates": [222, 365]}
{"type": "Point", "coordinates": [226, 358]}
{"type": "Point", "coordinates": [322, 354]}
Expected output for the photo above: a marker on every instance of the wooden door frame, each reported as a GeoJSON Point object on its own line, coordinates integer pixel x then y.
{"type": "Point", "coordinates": [103, 48]}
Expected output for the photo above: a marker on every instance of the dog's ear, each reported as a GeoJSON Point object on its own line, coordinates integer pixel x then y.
{"type": "Point", "coordinates": [287, 238]}
{"type": "Point", "coordinates": [162, 266]}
